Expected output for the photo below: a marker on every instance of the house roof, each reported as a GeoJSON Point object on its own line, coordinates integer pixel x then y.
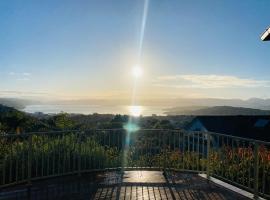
{"type": "Point", "coordinates": [260, 123]}
{"type": "Point", "coordinates": [266, 35]}
{"type": "Point", "coordinates": [254, 127]}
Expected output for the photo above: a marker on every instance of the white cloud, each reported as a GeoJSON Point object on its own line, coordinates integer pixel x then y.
{"type": "Point", "coordinates": [26, 74]}
{"type": "Point", "coordinates": [25, 94]}
{"type": "Point", "coordinates": [23, 79]}
{"type": "Point", "coordinates": [22, 74]}
{"type": "Point", "coordinates": [208, 81]}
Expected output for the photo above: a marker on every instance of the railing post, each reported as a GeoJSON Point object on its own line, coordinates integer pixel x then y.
{"type": "Point", "coordinates": [164, 152]}
{"type": "Point", "coordinates": [256, 171]}
{"type": "Point", "coordinates": [79, 160]}
{"type": "Point", "coordinates": [208, 156]}
{"type": "Point", "coordinates": [123, 146]}
{"type": "Point", "coordinates": [29, 161]}
{"type": "Point", "coordinates": [79, 152]}
{"type": "Point", "coordinates": [29, 165]}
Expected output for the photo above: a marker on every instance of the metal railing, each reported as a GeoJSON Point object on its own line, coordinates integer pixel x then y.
{"type": "Point", "coordinates": [242, 162]}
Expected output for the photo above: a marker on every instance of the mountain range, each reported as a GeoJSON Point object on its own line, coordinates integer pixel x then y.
{"type": "Point", "coordinates": [216, 110]}
{"type": "Point", "coordinates": [179, 106]}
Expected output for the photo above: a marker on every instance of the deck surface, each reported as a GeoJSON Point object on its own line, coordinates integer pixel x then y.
{"type": "Point", "coordinates": [129, 185]}
{"type": "Point", "coordinates": [155, 185]}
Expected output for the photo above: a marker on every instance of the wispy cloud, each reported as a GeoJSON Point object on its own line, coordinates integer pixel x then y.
{"type": "Point", "coordinates": [14, 92]}
{"type": "Point", "coordinates": [26, 94]}
{"type": "Point", "coordinates": [208, 81]}
{"type": "Point", "coordinates": [22, 76]}
{"type": "Point", "coordinates": [26, 74]}
{"type": "Point", "coordinates": [23, 79]}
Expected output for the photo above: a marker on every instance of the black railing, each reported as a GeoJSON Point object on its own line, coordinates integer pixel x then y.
{"type": "Point", "coordinates": [239, 161]}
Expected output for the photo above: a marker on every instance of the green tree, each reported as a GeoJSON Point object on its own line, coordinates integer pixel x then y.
{"type": "Point", "coordinates": [63, 122]}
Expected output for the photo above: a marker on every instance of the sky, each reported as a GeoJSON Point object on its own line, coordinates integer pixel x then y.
{"type": "Point", "coordinates": [86, 49]}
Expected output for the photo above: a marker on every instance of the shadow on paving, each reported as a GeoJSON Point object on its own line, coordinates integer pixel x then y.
{"type": "Point", "coordinates": [127, 185]}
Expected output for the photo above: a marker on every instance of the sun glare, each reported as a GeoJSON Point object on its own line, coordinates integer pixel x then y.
{"type": "Point", "coordinates": [135, 111]}
{"type": "Point", "coordinates": [137, 71]}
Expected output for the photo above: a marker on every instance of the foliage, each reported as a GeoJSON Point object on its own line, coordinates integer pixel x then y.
{"type": "Point", "coordinates": [52, 154]}
{"type": "Point", "coordinates": [62, 122]}
{"type": "Point", "coordinates": [12, 120]}
{"type": "Point", "coordinates": [238, 165]}
{"type": "Point", "coordinates": [71, 152]}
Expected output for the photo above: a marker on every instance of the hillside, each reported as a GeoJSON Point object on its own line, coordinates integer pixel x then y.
{"type": "Point", "coordinates": [217, 110]}
{"type": "Point", "coordinates": [12, 120]}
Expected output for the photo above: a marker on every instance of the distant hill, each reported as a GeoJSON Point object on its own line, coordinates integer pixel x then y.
{"type": "Point", "coordinates": [16, 103]}
{"type": "Point", "coordinates": [216, 110]}
{"type": "Point", "coordinates": [12, 120]}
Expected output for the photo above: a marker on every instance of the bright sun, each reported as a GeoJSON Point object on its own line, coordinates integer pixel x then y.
{"type": "Point", "coordinates": [135, 111]}
{"type": "Point", "coordinates": [137, 71]}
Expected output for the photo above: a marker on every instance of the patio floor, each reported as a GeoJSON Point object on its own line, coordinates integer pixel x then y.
{"type": "Point", "coordinates": [154, 185]}
{"type": "Point", "coordinates": [128, 185]}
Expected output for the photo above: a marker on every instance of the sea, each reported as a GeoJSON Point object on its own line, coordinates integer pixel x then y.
{"type": "Point", "coordinates": [90, 109]}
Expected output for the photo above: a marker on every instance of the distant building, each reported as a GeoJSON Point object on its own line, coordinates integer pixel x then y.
{"type": "Point", "coordinates": [254, 127]}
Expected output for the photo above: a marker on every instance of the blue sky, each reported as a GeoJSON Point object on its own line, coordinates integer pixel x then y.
{"type": "Point", "coordinates": [86, 49]}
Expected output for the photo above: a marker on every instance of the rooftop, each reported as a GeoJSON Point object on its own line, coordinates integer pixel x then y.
{"type": "Point", "coordinates": [266, 35]}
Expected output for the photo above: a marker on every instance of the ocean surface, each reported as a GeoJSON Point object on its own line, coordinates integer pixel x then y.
{"type": "Point", "coordinates": [90, 109]}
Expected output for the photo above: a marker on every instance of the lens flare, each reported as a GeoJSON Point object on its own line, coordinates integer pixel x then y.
{"type": "Point", "coordinates": [135, 111]}
{"type": "Point", "coordinates": [144, 19]}
{"type": "Point", "coordinates": [131, 127]}
{"type": "Point", "coordinates": [137, 72]}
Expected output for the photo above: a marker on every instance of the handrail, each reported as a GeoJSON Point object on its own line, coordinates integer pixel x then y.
{"type": "Point", "coordinates": [121, 129]}
{"type": "Point", "coordinates": [241, 138]}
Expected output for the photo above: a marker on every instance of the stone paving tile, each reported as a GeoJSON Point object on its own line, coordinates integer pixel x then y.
{"type": "Point", "coordinates": [163, 193]}
{"type": "Point", "coordinates": [130, 185]}
{"type": "Point", "coordinates": [153, 185]}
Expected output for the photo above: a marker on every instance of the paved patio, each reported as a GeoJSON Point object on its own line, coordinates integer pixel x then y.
{"type": "Point", "coordinates": [155, 185]}
{"type": "Point", "coordinates": [128, 185]}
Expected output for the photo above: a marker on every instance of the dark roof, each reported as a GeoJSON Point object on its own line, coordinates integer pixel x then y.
{"type": "Point", "coordinates": [266, 35]}
{"type": "Point", "coordinates": [254, 127]}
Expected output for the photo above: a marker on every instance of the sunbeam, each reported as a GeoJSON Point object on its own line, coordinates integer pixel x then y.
{"type": "Point", "coordinates": [144, 19]}
{"type": "Point", "coordinates": [137, 71]}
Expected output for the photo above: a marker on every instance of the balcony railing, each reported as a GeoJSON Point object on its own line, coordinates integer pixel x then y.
{"type": "Point", "coordinates": [242, 162]}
